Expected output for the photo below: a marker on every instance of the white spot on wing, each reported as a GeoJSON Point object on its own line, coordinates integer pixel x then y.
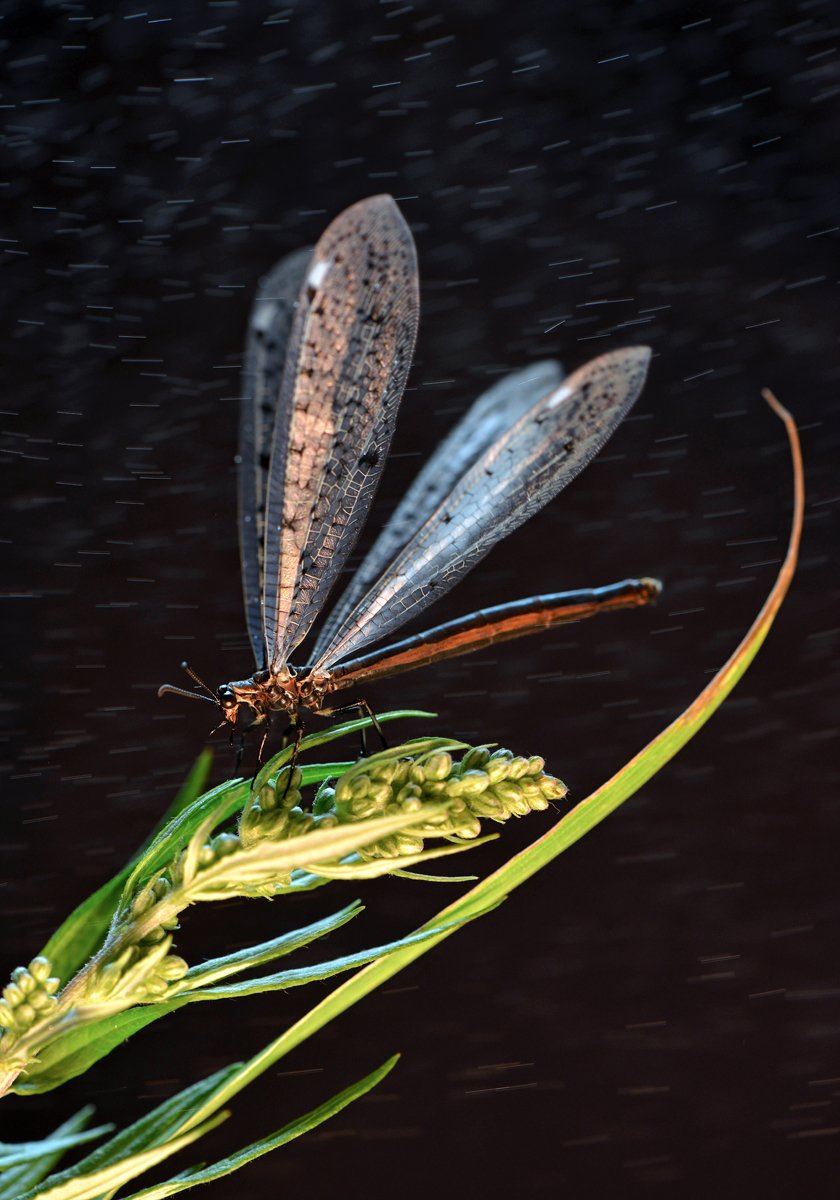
{"type": "Point", "coordinates": [318, 273]}
{"type": "Point", "coordinates": [558, 397]}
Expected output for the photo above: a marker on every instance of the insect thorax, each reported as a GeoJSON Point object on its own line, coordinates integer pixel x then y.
{"type": "Point", "coordinates": [267, 692]}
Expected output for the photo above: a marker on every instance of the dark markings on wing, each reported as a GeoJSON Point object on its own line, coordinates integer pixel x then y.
{"type": "Point", "coordinates": [541, 453]}
{"type": "Point", "coordinates": [348, 358]}
{"type": "Point", "coordinates": [483, 423]}
{"type": "Point", "coordinates": [269, 326]}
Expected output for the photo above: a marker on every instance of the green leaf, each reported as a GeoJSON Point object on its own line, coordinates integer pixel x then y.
{"type": "Point", "coordinates": [226, 1166]}
{"type": "Point", "coordinates": [12, 1154]}
{"type": "Point", "coordinates": [297, 976]}
{"type": "Point", "coordinates": [26, 1164]}
{"type": "Point", "coordinates": [215, 969]}
{"type": "Point", "coordinates": [223, 800]}
{"type": "Point", "coordinates": [82, 933]}
{"type": "Point", "coordinates": [153, 1129]}
{"type": "Point", "coordinates": [374, 868]}
{"type": "Point", "coordinates": [90, 1186]}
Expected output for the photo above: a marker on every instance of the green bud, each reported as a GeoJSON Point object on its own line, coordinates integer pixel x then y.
{"type": "Point", "coordinates": [467, 827]}
{"type": "Point", "coordinates": [553, 789]}
{"type": "Point", "coordinates": [106, 980]}
{"type": "Point", "coordinates": [224, 844]}
{"type": "Point", "coordinates": [518, 767]}
{"type": "Point", "coordinates": [386, 772]}
{"type": "Point", "coordinates": [475, 759]}
{"type": "Point", "coordinates": [7, 1041]}
{"type": "Point", "coordinates": [299, 823]}
{"type": "Point", "coordinates": [508, 792]}
{"type": "Point", "coordinates": [326, 820]}
{"type": "Point", "coordinates": [267, 798]}
{"type": "Point", "coordinates": [24, 980]}
{"type": "Point", "coordinates": [39, 968]}
{"type": "Point", "coordinates": [292, 799]}
{"type": "Point", "coordinates": [13, 995]}
{"type": "Point", "coordinates": [154, 936]}
{"type": "Point", "coordinates": [437, 767]}
{"type": "Point", "coordinates": [41, 1001]}
{"type": "Point", "coordinates": [25, 1015]}
{"type": "Point", "coordinates": [408, 844]}
{"type": "Point", "coordinates": [497, 769]}
{"type": "Point", "coordinates": [487, 805]}
{"type": "Point", "coordinates": [143, 900]}
{"type": "Point", "coordinates": [530, 788]}
{"type": "Point", "coordinates": [274, 824]}
{"type": "Point", "coordinates": [536, 765]}
{"type": "Point", "coordinates": [408, 792]}
{"type": "Point", "coordinates": [361, 807]}
{"type": "Point", "coordinates": [324, 801]}
{"type": "Point", "coordinates": [172, 968]}
{"type": "Point", "coordinates": [162, 887]}
{"type": "Point", "coordinates": [7, 1015]}
{"type": "Point", "coordinates": [471, 783]}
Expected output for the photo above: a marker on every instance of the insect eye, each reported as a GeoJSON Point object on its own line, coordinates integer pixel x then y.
{"type": "Point", "coordinates": [227, 699]}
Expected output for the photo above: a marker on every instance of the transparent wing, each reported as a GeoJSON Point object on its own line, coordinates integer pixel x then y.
{"type": "Point", "coordinates": [269, 326]}
{"type": "Point", "coordinates": [537, 456]}
{"type": "Point", "coordinates": [347, 360]}
{"type": "Point", "coordinates": [485, 421]}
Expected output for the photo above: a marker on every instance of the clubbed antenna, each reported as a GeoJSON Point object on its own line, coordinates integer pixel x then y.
{"type": "Point", "coordinates": [170, 689]}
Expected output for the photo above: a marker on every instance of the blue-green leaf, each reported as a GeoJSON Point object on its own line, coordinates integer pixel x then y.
{"type": "Point", "coordinates": [26, 1164]}
{"type": "Point", "coordinates": [214, 969]}
{"type": "Point", "coordinates": [310, 1120]}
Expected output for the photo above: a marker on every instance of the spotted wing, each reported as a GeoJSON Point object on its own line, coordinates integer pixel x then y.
{"type": "Point", "coordinates": [269, 326]}
{"type": "Point", "coordinates": [486, 420]}
{"type": "Point", "coordinates": [347, 360]}
{"type": "Point", "coordinates": [524, 469]}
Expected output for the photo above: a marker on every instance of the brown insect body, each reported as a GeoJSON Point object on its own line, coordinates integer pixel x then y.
{"type": "Point", "coordinates": [285, 691]}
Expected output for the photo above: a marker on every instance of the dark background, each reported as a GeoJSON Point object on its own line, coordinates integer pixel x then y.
{"type": "Point", "coordinates": [657, 1012]}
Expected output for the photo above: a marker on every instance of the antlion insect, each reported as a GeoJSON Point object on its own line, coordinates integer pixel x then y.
{"type": "Point", "coordinates": [330, 343]}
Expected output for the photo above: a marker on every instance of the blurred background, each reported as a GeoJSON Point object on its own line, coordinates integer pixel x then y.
{"type": "Point", "coordinates": [657, 1012]}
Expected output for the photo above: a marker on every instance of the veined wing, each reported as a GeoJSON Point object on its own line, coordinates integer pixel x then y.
{"type": "Point", "coordinates": [483, 423]}
{"type": "Point", "coordinates": [541, 453]}
{"type": "Point", "coordinates": [346, 365]}
{"type": "Point", "coordinates": [269, 326]}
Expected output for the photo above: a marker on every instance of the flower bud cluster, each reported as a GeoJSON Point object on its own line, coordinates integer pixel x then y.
{"type": "Point", "coordinates": [484, 785]}
{"type": "Point", "coordinates": [27, 998]}
{"type": "Point", "coordinates": [275, 812]}
{"type": "Point", "coordinates": [140, 973]}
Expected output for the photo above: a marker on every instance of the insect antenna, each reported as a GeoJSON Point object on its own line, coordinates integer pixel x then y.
{"type": "Point", "coordinates": [170, 689]}
{"type": "Point", "coordinates": [185, 666]}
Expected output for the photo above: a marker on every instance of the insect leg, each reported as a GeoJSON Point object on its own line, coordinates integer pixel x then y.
{"type": "Point", "coordinates": [364, 710]}
{"type": "Point", "coordinates": [297, 726]}
{"type": "Point", "coordinates": [260, 753]}
{"type": "Point", "coordinates": [240, 751]}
